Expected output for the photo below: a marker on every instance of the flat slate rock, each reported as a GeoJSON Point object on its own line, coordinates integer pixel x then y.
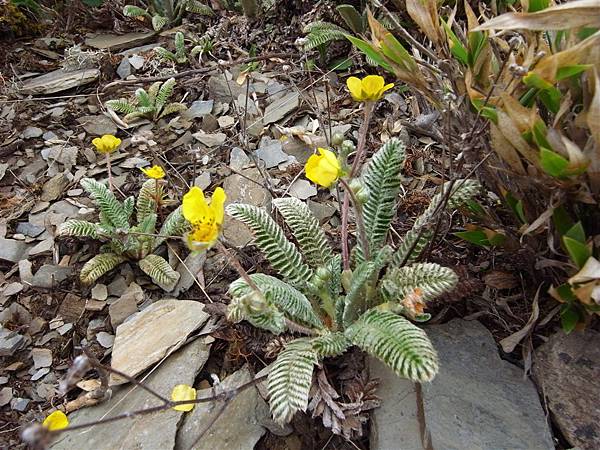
{"type": "Point", "coordinates": [155, 431]}
{"type": "Point", "coordinates": [151, 334]}
{"type": "Point", "coordinates": [238, 428]}
{"type": "Point", "coordinates": [119, 41]}
{"type": "Point", "coordinates": [567, 369]}
{"type": "Point", "coordinates": [281, 107]}
{"type": "Point", "coordinates": [241, 189]}
{"type": "Point", "coordinates": [97, 125]}
{"type": "Point", "coordinates": [477, 401]}
{"type": "Point", "coordinates": [12, 250]}
{"type": "Point", "coordinates": [59, 80]}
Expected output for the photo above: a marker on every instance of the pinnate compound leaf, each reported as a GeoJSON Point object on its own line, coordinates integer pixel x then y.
{"type": "Point", "coordinates": [382, 180]}
{"type": "Point", "coordinates": [290, 379]}
{"type": "Point", "coordinates": [286, 298]}
{"type": "Point", "coordinates": [98, 266]}
{"type": "Point", "coordinates": [78, 228]}
{"type": "Point", "coordinates": [111, 209]}
{"type": "Point", "coordinates": [271, 240]}
{"type": "Point", "coordinates": [160, 271]}
{"type": "Point", "coordinates": [306, 229]}
{"type": "Point", "coordinates": [395, 341]}
{"type": "Point", "coordinates": [430, 278]}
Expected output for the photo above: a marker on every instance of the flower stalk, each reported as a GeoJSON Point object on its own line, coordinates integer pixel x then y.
{"type": "Point", "coordinates": [360, 224]}
{"type": "Point", "coordinates": [369, 106]}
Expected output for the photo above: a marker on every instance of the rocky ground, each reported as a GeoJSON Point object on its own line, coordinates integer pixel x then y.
{"type": "Point", "coordinates": [250, 134]}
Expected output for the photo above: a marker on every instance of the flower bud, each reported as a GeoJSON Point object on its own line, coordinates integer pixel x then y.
{"type": "Point", "coordinates": [362, 196]}
{"type": "Point", "coordinates": [254, 302]}
{"type": "Point", "coordinates": [337, 138]}
{"type": "Point", "coordinates": [347, 147]}
{"type": "Point", "coordinates": [356, 185]}
{"type": "Point", "coordinates": [323, 273]}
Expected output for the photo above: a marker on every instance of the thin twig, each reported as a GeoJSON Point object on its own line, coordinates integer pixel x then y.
{"type": "Point", "coordinates": [226, 396]}
{"type": "Point", "coordinates": [237, 266]}
{"type": "Point", "coordinates": [202, 70]}
{"type": "Point", "coordinates": [209, 425]}
{"type": "Point", "coordinates": [98, 365]}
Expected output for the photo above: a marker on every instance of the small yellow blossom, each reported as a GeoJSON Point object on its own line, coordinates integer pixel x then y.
{"type": "Point", "coordinates": [56, 421]}
{"type": "Point", "coordinates": [370, 88]}
{"type": "Point", "coordinates": [323, 169]}
{"type": "Point", "coordinates": [205, 219]}
{"type": "Point", "coordinates": [183, 392]}
{"type": "Point", "coordinates": [107, 143]}
{"type": "Point", "coordinates": [154, 172]}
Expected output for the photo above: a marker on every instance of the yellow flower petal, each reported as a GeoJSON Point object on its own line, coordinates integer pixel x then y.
{"type": "Point", "coordinates": [217, 204]}
{"type": "Point", "coordinates": [387, 87]}
{"type": "Point", "coordinates": [323, 169]}
{"type": "Point", "coordinates": [372, 85]}
{"type": "Point", "coordinates": [370, 88]}
{"type": "Point", "coordinates": [355, 87]}
{"type": "Point", "coordinates": [183, 392]}
{"type": "Point", "coordinates": [205, 220]}
{"type": "Point", "coordinates": [107, 143]}
{"type": "Point", "coordinates": [154, 172]}
{"type": "Point", "coordinates": [194, 205]}
{"type": "Point", "coordinates": [99, 144]}
{"type": "Point", "coordinates": [56, 421]}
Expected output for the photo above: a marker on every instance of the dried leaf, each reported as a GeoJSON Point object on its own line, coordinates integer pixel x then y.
{"type": "Point", "coordinates": [398, 59]}
{"type": "Point", "coordinates": [509, 343]}
{"type": "Point", "coordinates": [498, 279]}
{"type": "Point", "coordinates": [585, 51]}
{"type": "Point", "coordinates": [511, 132]}
{"type": "Point", "coordinates": [575, 14]}
{"type": "Point", "coordinates": [589, 272]}
{"type": "Point", "coordinates": [593, 116]}
{"type": "Point", "coordinates": [593, 122]}
{"type": "Point", "coordinates": [342, 418]}
{"type": "Point", "coordinates": [424, 13]}
{"type": "Point", "coordinates": [524, 118]}
{"type": "Point", "coordinates": [537, 223]}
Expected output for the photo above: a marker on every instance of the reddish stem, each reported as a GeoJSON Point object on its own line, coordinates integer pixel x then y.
{"type": "Point", "coordinates": [360, 151]}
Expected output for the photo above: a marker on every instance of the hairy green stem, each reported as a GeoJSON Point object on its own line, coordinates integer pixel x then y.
{"type": "Point", "coordinates": [362, 139]}
{"type": "Point", "coordinates": [108, 167]}
{"type": "Point", "coordinates": [360, 224]}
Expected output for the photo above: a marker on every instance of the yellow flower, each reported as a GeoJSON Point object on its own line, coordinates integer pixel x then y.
{"type": "Point", "coordinates": [107, 143]}
{"type": "Point", "coordinates": [183, 392]}
{"type": "Point", "coordinates": [154, 172]}
{"type": "Point", "coordinates": [206, 220]}
{"type": "Point", "coordinates": [56, 421]}
{"type": "Point", "coordinates": [323, 169]}
{"type": "Point", "coordinates": [370, 88]}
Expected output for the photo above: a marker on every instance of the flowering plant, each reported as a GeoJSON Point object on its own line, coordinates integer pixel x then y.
{"type": "Point", "coordinates": [365, 297]}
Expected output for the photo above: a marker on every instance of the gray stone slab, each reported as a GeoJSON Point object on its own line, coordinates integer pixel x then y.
{"type": "Point", "coordinates": [567, 369]}
{"type": "Point", "coordinates": [154, 332]}
{"type": "Point", "coordinates": [281, 107]}
{"type": "Point", "coordinates": [477, 401]}
{"type": "Point", "coordinates": [147, 432]}
{"type": "Point", "coordinates": [240, 189]}
{"type": "Point", "coordinates": [239, 426]}
{"type": "Point", "coordinates": [59, 80]}
{"type": "Point", "coordinates": [48, 276]}
{"type": "Point", "coordinates": [119, 41]}
{"type": "Point", "coordinates": [12, 250]}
